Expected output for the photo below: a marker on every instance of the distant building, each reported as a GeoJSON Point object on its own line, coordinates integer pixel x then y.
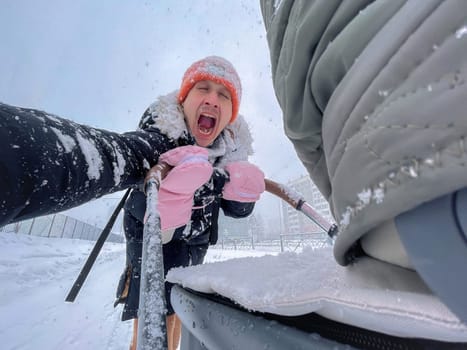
{"type": "Point", "coordinates": [294, 221]}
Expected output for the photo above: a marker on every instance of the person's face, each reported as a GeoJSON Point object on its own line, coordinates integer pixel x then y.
{"type": "Point", "coordinates": [208, 110]}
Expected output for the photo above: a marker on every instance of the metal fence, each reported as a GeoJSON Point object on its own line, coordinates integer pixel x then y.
{"type": "Point", "coordinates": [62, 226]}
{"type": "Point", "coordinates": [286, 242]}
{"type": "Point", "coordinates": [59, 226]}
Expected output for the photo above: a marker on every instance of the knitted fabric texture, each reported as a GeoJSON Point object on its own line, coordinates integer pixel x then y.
{"type": "Point", "coordinates": [218, 70]}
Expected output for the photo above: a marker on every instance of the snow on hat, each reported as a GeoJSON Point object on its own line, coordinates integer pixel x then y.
{"type": "Point", "coordinates": [218, 70]}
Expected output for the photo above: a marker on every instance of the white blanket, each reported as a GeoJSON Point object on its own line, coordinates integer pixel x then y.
{"type": "Point", "coordinates": [370, 294]}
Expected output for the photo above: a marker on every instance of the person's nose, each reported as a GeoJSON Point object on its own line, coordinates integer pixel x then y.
{"type": "Point", "coordinates": [212, 99]}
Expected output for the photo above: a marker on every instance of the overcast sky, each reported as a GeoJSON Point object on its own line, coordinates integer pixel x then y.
{"type": "Point", "coordinates": [103, 62]}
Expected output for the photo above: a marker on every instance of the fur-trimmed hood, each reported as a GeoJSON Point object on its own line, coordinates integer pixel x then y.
{"type": "Point", "coordinates": [234, 143]}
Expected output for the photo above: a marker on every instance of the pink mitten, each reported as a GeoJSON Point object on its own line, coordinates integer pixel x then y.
{"type": "Point", "coordinates": [246, 182]}
{"type": "Point", "coordinates": [191, 170]}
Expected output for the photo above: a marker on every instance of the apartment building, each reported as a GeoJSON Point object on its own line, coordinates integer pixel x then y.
{"type": "Point", "coordinates": [294, 221]}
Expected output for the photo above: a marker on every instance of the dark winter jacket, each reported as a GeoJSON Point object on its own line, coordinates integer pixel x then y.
{"type": "Point", "coordinates": [233, 144]}
{"type": "Point", "coordinates": [49, 164]}
{"type": "Point", "coordinates": [374, 100]}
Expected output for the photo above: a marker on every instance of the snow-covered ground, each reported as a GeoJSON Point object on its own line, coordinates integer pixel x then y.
{"type": "Point", "coordinates": [36, 274]}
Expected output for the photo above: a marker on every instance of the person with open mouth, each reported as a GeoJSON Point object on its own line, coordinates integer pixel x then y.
{"type": "Point", "coordinates": [208, 145]}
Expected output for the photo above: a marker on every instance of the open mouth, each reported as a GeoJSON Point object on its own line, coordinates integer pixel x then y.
{"type": "Point", "coordinates": [206, 124]}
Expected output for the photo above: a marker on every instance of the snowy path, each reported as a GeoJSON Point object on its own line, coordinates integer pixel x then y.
{"type": "Point", "coordinates": [36, 274]}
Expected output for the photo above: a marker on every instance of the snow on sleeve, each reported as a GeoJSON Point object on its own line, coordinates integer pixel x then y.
{"type": "Point", "coordinates": [67, 141]}
{"type": "Point", "coordinates": [92, 156]}
{"type": "Point", "coordinates": [118, 164]}
{"type": "Point", "coordinates": [54, 118]}
{"type": "Point", "coordinates": [461, 32]}
{"type": "Point", "coordinates": [144, 141]}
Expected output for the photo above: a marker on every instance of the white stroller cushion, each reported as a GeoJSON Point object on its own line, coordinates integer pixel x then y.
{"type": "Point", "coordinates": [370, 294]}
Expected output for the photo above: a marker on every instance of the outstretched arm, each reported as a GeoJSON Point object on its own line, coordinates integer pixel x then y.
{"type": "Point", "coordinates": [49, 164]}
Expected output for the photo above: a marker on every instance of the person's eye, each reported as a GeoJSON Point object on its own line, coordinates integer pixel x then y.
{"type": "Point", "coordinates": [203, 88]}
{"type": "Point", "coordinates": [224, 95]}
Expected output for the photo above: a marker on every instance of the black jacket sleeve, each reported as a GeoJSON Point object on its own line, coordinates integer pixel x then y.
{"type": "Point", "coordinates": [236, 209]}
{"type": "Point", "coordinates": [49, 164]}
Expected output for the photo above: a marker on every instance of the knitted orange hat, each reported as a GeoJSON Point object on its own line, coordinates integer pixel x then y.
{"type": "Point", "coordinates": [218, 70]}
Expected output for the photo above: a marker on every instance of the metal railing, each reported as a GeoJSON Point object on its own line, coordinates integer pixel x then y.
{"type": "Point", "coordinates": [62, 226]}
{"type": "Point", "coordinates": [286, 242]}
